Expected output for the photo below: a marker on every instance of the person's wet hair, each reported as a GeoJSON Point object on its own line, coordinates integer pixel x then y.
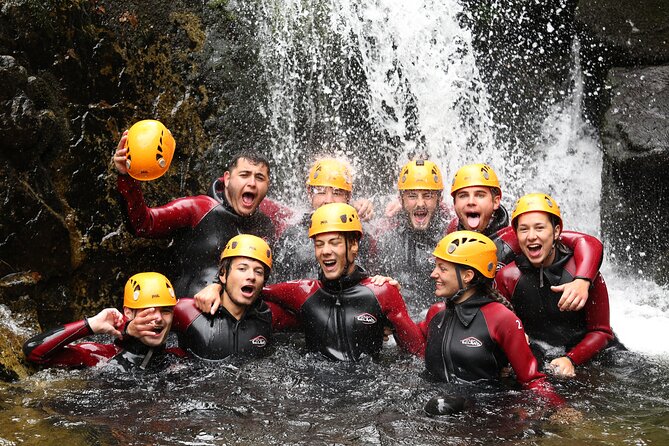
{"type": "Point", "coordinates": [252, 156]}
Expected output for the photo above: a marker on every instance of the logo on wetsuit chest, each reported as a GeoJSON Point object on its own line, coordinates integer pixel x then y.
{"type": "Point", "coordinates": [471, 342]}
{"type": "Point", "coordinates": [366, 318]}
{"type": "Point", "coordinates": [259, 341]}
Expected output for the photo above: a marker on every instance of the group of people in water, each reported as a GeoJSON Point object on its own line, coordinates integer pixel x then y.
{"type": "Point", "coordinates": [505, 288]}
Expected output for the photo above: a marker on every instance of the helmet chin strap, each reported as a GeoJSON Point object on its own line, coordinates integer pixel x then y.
{"type": "Point", "coordinates": [461, 284]}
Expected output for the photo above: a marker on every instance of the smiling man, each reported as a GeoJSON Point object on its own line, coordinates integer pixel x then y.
{"type": "Point", "coordinates": [240, 323]}
{"type": "Point", "coordinates": [343, 314]}
{"type": "Point", "coordinates": [148, 305]}
{"type": "Point", "coordinates": [230, 208]}
{"type": "Point", "coordinates": [406, 239]}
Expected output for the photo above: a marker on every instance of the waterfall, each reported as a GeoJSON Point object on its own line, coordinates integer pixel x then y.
{"type": "Point", "coordinates": [381, 81]}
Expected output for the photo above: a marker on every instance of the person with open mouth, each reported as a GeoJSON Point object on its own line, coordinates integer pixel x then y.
{"type": "Point", "coordinates": [406, 237]}
{"type": "Point", "coordinates": [477, 195]}
{"type": "Point", "coordinates": [239, 322]}
{"type": "Point", "coordinates": [330, 180]}
{"type": "Point", "coordinates": [141, 329]}
{"type": "Point", "coordinates": [344, 312]}
{"type": "Point", "coordinates": [534, 284]}
{"type": "Point", "coordinates": [201, 224]}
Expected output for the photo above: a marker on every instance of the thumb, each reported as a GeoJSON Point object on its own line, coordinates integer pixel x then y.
{"type": "Point", "coordinates": [557, 288]}
{"type": "Point", "coordinates": [214, 307]}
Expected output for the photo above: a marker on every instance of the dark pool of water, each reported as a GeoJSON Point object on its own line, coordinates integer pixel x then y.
{"type": "Point", "coordinates": [295, 398]}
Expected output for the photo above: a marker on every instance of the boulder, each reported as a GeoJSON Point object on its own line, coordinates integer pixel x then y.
{"type": "Point", "coordinates": [633, 33]}
{"type": "Point", "coordinates": [635, 182]}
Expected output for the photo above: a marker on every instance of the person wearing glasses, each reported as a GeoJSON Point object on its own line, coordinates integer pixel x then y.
{"type": "Point", "coordinates": [330, 180]}
{"type": "Point", "coordinates": [405, 239]}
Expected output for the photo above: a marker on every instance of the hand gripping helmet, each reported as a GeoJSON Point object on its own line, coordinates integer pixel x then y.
{"type": "Point", "coordinates": [471, 249]}
{"type": "Point", "coordinates": [331, 172]}
{"type": "Point", "coordinates": [475, 175]}
{"type": "Point", "coordinates": [247, 245]}
{"type": "Point", "coordinates": [335, 217]}
{"type": "Point", "coordinates": [535, 202]}
{"type": "Point", "coordinates": [146, 290]}
{"type": "Point", "coordinates": [150, 150]}
{"type": "Point", "coordinates": [420, 174]}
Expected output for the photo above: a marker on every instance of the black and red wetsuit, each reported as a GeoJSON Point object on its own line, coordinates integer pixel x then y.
{"type": "Point", "coordinates": [588, 250]}
{"type": "Point", "coordinates": [344, 319]}
{"type": "Point", "coordinates": [54, 348]}
{"type": "Point", "coordinates": [221, 335]}
{"type": "Point", "coordinates": [475, 340]}
{"type": "Point", "coordinates": [582, 333]}
{"type": "Point", "coordinates": [211, 221]}
{"type": "Point", "coordinates": [406, 255]}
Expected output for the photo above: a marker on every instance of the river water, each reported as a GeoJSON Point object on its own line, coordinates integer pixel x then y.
{"type": "Point", "coordinates": [422, 90]}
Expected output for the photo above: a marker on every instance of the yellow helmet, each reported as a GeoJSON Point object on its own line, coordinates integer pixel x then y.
{"type": "Point", "coordinates": [247, 245]}
{"type": "Point", "coordinates": [469, 248]}
{"type": "Point", "coordinates": [146, 290]}
{"type": "Point", "coordinates": [335, 217]}
{"type": "Point", "coordinates": [331, 172]}
{"type": "Point", "coordinates": [150, 150]}
{"type": "Point", "coordinates": [536, 202]}
{"type": "Point", "coordinates": [420, 174]}
{"type": "Point", "coordinates": [475, 175]}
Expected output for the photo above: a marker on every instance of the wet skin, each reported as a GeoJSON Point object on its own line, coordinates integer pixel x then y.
{"type": "Point", "coordinates": [246, 185]}
{"type": "Point", "coordinates": [474, 207]}
{"type": "Point", "coordinates": [536, 237]}
{"type": "Point", "coordinates": [420, 206]}
{"type": "Point", "coordinates": [242, 284]}
{"type": "Point", "coordinates": [333, 256]}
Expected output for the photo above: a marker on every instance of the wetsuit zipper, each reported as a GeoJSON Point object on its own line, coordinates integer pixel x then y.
{"type": "Point", "coordinates": [235, 338]}
{"type": "Point", "coordinates": [341, 330]}
{"type": "Point", "coordinates": [446, 358]}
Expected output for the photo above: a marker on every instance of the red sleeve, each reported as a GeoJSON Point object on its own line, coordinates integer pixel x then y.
{"type": "Point", "coordinates": [507, 331]}
{"type": "Point", "coordinates": [185, 313]}
{"type": "Point", "coordinates": [506, 280]}
{"type": "Point", "coordinates": [278, 213]}
{"type": "Point", "coordinates": [290, 295]}
{"type": "Point", "coordinates": [588, 253]}
{"type": "Point", "coordinates": [282, 319]}
{"type": "Point", "coordinates": [453, 225]}
{"type": "Point", "coordinates": [408, 335]}
{"type": "Point", "coordinates": [163, 220]}
{"type": "Point", "coordinates": [52, 347]}
{"type": "Point", "coordinates": [597, 320]}
{"type": "Point", "coordinates": [434, 309]}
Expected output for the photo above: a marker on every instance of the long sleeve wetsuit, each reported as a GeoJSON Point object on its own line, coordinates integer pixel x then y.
{"type": "Point", "coordinates": [55, 348]}
{"type": "Point", "coordinates": [211, 222]}
{"type": "Point", "coordinates": [344, 319]}
{"type": "Point", "coordinates": [582, 333]}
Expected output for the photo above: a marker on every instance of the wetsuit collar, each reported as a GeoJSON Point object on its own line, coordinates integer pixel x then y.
{"type": "Point", "coordinates": [553, 272]}
{"type": "Point", "coordinates": [257, 309]}
{"type": "Point", "coordinates": [136, 354]}
{"type": "Point", "coordinates": [343, 282]}
{"type": "Point", "coordinates": [467, 310]}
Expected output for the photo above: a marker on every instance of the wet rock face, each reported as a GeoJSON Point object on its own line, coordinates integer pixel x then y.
{"type": "Point", "coordinates": [634, 33]}
{"type": "Point", "coordinates": [635, 195]}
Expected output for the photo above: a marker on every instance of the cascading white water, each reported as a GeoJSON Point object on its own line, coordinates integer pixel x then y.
{"type": "Point", "coordinates": [423, 89]}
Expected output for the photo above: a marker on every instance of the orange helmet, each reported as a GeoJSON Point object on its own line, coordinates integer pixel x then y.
{"type": "Point", "coordinates": [247, 245]}
{"type": "Point", "coordinates": [535, 202]}
{"type": "Point", "coordinates": [475, 175]}
{"type": "Point", "coordinates": [471, 249]}
{"type": "Point", "coordinates": [335, 217]}
{"type": "Point", "coordinates": [420, 174]}
{"type": "Point", "coordinates": [150, 150]}
{"type": "Point", "coordinates": [331, 172]}
{"type": "Point", "coordinates": [146, 290]}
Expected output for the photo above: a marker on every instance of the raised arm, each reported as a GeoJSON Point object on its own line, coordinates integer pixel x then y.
{"type": "Point", "coordinates": [52, 347]}
{"type": "Point", "coordinates": [406, 332]}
